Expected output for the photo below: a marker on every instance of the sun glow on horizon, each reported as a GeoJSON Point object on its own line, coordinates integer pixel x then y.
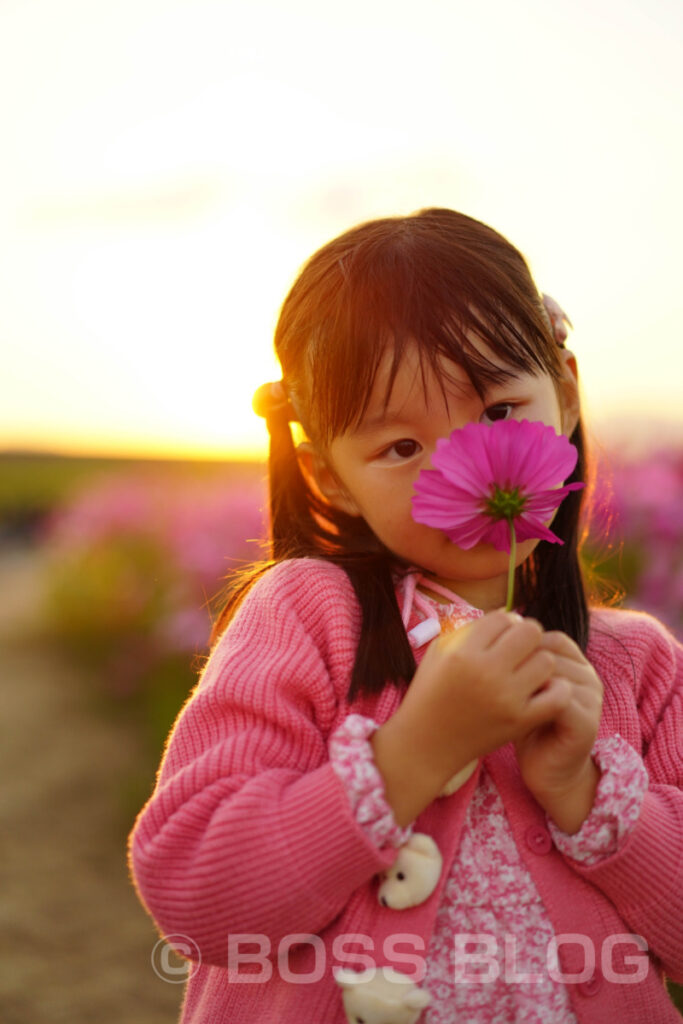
{"type": "Point", "coordinates": [153, 221]}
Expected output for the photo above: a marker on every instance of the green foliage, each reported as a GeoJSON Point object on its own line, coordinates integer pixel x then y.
{"type": "Point", "coordinates": [32, 484]}
{"type": "Point", "coordinates": [105, 594]}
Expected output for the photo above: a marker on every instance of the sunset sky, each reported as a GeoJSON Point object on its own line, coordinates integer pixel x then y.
{"type": "Point", "coordinates": [167, 165]}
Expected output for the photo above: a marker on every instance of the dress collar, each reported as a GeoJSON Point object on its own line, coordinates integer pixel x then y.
{"type": "Point", "coordinates": [435, 615]}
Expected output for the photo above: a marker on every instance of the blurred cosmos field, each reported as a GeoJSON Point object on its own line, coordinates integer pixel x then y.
{"type": "Point", "coordinates": [128, 559]}
{"type": "Point", "coordinates": [135, 555]}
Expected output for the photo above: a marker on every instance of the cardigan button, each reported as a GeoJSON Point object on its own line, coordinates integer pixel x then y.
{"type": "Point", "coordinates": [592, 986]}
{"type": "Point", "coordinates": [538, 839]}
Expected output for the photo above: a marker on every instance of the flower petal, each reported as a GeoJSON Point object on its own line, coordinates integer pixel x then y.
{"type": "Point", "coordinates": [463, 460]}
{"type": "Point", "coordinates": [530, 528]}
{"type": "Point", "coordinates": [437, 501]}
{"type": "Point", "coordinates": [550, 456]}
{"type": "Point", "coordinates": [476, 531]}
{"type": "Point", "coordinates": [521, 455]}
{"type": "Point", "coordinates": [499, 535]}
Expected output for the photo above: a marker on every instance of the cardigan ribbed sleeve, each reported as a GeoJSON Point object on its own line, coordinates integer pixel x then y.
{"type": "Point", "coordinates": [249, 829]}
{"type": "Point", "coordinates": [644, 879]}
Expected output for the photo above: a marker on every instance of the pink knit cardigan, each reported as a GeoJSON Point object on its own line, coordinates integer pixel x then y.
{"type": "Point", "coordinates": [248, 848]}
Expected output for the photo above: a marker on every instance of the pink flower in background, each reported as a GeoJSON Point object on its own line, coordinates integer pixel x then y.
{"type": "Point", "coordinates": [496, 484]}
{"type": "Point", "coordinates": [137, 557]}
{"type": "Point", "coordinates": [635, 543]}
{"type": "Point", "coordinates": [105, 510]}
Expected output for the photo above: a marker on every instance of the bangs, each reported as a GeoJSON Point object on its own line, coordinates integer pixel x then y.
{"type": "Point", "coordinates": [410, 283]}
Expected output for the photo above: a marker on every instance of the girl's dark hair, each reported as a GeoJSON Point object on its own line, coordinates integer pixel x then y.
{"type": "Point", "coordinates": [432, 279]}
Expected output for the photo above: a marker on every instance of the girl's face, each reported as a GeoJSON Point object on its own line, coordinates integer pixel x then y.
{"type": "Point", "coordinates": [371, 470]}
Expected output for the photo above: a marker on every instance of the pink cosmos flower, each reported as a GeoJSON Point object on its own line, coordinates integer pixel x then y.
{"type": "Point", "coordinates": [496, 483]}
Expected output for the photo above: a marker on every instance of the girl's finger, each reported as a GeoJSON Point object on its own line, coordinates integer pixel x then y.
{"type": "Point", "coordinates": [571, 663]}
{"type": "Point", "coordinates": [517, 643]}
{"type": "Point", "coordinates": [483, 632]}
{"type": "Point", "coordinates": [496, 624]}
{"type": "Point", "coordinates": [560, 643]}
{"type": "Point", "coordinates": [535, 672]}
{"type": "Point", "coordinates": [547, 703]}
{"type": "Point", "coordinates": [571, 669]}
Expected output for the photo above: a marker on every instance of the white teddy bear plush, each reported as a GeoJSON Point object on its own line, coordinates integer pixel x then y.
{"type": "Point", "coordinates": [412, 877]}
{"type": "Point", "coordinates": [459, 779]}
{"type": "Point", "coordinates": [380, 996]}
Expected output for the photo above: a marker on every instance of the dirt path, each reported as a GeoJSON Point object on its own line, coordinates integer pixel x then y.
{"type": "Point", "coordinates": [76, 945]}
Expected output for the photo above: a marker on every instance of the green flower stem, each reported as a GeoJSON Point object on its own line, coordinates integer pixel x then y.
{"type": "Point", "coordinates": [511, 566]}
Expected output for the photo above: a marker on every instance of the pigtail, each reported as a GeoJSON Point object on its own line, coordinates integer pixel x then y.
{"type": "Point", "coordinates": [550, 584]}
{"type": "Point", "coordinates": [303, 525]}
{"type": "Point", "coordinates": [383, 653]}
{"type": "Point", "coordinates": [297, 516]}
{"type": "Point", "coordinates": [292, 523]}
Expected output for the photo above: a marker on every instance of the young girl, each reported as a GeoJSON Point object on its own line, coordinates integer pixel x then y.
{"type": "Point", "coordinates": [325, 725]}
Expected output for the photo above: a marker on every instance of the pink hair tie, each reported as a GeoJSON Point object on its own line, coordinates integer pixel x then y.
{"type": "Point", "coordinates": [557, 319]}
{"type": "Point", "coordinates": [271, 400]}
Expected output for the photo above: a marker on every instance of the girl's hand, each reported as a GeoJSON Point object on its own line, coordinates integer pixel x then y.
{"type": "Point", "coordinates": [475, 689]}
{"type": "Point", "coordinates": [554, 757]}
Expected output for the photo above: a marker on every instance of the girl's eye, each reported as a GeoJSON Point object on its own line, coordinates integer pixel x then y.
{"type": "Point", "coordinates": [403, 449]}
{"type": "Point", "coordinates": [496, 413]}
